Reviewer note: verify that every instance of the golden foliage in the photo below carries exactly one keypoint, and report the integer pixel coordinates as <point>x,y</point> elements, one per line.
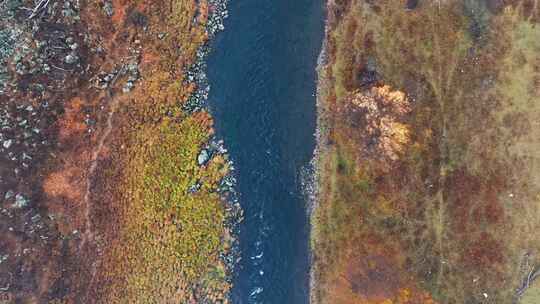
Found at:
<point>375,120</point>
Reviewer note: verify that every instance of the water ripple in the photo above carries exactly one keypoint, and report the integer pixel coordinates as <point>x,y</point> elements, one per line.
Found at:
<point>262,72</point>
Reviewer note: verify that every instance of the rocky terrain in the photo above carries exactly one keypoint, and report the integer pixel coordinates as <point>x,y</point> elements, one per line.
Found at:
<point>100,100</point>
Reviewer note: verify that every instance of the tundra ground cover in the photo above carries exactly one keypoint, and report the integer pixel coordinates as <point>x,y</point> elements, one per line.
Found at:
<point>451,218</point>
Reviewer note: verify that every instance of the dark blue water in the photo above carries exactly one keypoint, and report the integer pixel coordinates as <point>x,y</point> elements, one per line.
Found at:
<point>263,79</point>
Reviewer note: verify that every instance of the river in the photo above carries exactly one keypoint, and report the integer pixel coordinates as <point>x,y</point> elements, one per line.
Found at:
<point>263,83</point>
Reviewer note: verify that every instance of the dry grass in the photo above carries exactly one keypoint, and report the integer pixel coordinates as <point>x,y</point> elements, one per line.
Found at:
<point>445,216</point>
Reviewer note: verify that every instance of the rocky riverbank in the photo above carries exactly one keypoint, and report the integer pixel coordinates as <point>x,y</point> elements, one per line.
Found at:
<point>315,179</point>
<point>100,101</point>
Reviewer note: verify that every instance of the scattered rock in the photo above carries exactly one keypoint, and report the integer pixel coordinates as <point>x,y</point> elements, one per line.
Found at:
<point>36,218</point>
<point>7,143</point>
<point>195,187</point>
<point>71,58</point>
<point>108,8</point>
<point>20,201</point>
<point>203,157</point>
<point>3,258</point>
<point>128,87</point>
<point>9,194</point>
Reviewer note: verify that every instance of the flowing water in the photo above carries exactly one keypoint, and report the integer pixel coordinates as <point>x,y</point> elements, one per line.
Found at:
<point>263,80</point>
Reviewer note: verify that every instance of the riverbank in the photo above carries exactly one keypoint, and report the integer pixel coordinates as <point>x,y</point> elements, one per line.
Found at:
<point>315,179</point>
<point>174,227</point>
<point>421,124</point>
<point>121,190</point>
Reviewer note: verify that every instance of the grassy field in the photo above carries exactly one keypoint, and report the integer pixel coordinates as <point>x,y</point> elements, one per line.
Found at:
<point>428,168</point>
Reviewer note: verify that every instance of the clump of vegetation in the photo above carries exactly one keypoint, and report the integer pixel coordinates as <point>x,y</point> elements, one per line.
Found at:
<point>379,112</point>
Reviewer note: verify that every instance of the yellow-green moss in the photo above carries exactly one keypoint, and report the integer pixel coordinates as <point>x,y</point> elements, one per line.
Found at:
<point>172,238</point>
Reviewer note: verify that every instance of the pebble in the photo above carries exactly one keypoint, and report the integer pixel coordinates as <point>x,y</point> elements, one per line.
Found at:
<point>108,8</point>
<point>128,86</point>
<point>9,194</point>
<point>71,58</point>
<point>20,201</point>
<point>7,143</point>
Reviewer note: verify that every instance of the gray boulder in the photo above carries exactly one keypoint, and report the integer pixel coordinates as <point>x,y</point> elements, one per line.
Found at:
<point>203,157</point>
